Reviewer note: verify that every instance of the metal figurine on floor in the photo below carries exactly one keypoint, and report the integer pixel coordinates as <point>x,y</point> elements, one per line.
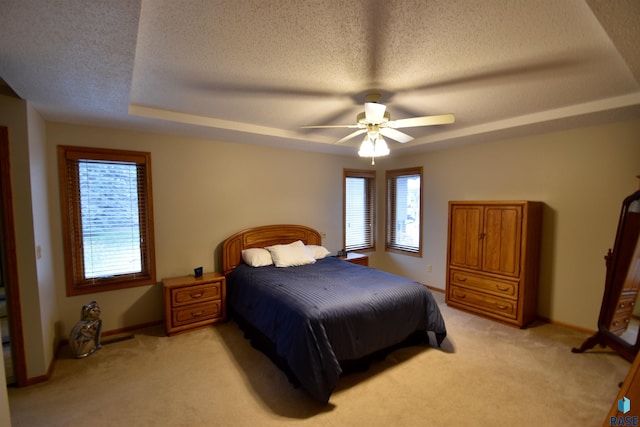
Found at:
<point>85,336</point>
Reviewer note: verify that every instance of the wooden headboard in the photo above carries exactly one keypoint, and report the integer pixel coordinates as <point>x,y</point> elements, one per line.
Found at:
<point>259,237</point>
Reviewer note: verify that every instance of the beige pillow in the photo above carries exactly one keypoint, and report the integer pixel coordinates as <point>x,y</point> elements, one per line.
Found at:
<point>290,255</point>
<point>317,251</point>
<point>257,257</point>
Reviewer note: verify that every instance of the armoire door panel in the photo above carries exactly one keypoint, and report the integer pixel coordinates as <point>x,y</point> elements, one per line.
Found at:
<point>502,237</point>
<point>466,229</point>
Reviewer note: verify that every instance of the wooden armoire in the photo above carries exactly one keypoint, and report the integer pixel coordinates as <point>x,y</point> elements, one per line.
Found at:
<point>493,257</point>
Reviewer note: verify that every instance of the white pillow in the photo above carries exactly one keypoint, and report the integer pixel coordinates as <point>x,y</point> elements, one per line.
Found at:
<point>256,257</point>
<point>317,251</point>
<point>290,255</point>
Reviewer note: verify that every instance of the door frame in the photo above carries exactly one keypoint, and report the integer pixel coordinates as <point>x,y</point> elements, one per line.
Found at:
<point>12,288</point>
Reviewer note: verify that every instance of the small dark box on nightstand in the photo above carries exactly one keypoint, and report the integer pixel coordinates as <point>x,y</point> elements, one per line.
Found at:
<point>197,272</point>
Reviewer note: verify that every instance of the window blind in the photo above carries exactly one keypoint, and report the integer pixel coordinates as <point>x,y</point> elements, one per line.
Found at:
<point>359,210</point>
<point>404,210</point>
<point>110,217</point>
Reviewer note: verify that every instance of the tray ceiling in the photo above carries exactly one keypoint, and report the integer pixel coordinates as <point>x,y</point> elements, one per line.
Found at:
<point>253,71</point>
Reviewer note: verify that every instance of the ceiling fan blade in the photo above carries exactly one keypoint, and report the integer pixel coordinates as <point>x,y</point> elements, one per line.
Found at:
<point>330,126</point>
<point>351,135</point>
<point>442,119</point>
<point>401,137</point>
<point>374,112</point>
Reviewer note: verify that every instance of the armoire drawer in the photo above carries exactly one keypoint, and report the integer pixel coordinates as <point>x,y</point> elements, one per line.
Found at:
<point>620,322</point>
<point>626,302</point>
<point>483,302</point>
<point>485,284</point>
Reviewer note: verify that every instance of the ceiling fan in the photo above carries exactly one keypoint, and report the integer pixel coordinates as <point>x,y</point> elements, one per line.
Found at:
<point>376,122</point>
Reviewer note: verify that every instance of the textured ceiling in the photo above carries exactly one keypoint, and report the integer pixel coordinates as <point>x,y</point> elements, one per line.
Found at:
<point>256,71</point>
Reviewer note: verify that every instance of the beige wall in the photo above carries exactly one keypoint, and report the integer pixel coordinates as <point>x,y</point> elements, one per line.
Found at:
<point>206,190</point>
<point>581,175</point>
<point>31,219</point>
<point>41,248</point>
<point>203,191</point>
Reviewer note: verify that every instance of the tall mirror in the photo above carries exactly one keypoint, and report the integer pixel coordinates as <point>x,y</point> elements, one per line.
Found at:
<point>618,323</point>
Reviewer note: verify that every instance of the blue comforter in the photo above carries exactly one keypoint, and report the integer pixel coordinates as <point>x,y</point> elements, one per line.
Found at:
<point>319,314</point>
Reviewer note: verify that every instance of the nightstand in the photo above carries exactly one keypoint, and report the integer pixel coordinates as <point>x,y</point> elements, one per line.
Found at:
<point>356,258</point>
<point>192,302</point>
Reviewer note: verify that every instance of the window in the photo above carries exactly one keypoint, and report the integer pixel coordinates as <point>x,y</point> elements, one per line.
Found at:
<point>107,219</point>
<point>359,209</point>
<point>404,211</point>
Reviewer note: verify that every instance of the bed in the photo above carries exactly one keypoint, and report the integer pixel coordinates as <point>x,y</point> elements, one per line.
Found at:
<point>315,315</point>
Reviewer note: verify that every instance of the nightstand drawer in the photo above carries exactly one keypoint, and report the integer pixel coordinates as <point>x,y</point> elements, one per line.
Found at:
<point>196,313</point>
<point>195,294</point>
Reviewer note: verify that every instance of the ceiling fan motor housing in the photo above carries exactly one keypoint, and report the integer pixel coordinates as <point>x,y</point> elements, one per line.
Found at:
<point>362,119</point>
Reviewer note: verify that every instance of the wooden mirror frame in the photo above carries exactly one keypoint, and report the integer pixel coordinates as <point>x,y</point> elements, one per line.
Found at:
<point>623,274</point>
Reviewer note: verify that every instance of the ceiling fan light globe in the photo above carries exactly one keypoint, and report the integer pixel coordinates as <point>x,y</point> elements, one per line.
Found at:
<point>366,149</point>
<point>381,148</point>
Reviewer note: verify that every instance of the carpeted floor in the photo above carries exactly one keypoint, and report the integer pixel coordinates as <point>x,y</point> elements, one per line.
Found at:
<point>486,374</point>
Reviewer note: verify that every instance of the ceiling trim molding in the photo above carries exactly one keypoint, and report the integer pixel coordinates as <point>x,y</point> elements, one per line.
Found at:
<point>199,120</point>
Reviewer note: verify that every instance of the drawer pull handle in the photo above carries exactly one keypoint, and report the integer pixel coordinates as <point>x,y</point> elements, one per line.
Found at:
<point>197,314</point>
<point>198,295</point>
<point>621,305</point>
<point>459,295</point>
<point>502,307</point>
<point>503,289</point>
<point>461,278</point>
